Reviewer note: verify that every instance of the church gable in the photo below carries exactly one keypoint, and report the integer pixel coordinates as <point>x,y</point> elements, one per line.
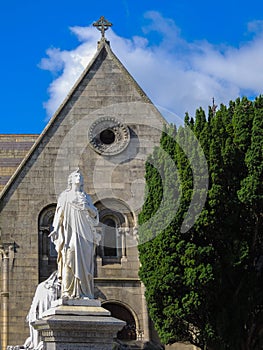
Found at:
<point>105,82</point>
<point>106,126</point>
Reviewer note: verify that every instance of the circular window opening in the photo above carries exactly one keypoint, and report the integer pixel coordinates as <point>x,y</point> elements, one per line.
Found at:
<point>107,136</point>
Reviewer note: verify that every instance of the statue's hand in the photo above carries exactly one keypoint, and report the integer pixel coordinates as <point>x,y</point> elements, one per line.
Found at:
<point>53,235</point>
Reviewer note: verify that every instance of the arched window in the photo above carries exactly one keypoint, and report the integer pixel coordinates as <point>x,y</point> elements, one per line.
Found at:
<point>110,241</point>
<point>110,245</point>
<point>47,252</point>
<point>116,220</point>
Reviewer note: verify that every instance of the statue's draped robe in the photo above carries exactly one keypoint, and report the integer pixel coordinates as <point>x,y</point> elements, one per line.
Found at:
<point>45,293</point>
<point>75,244</point>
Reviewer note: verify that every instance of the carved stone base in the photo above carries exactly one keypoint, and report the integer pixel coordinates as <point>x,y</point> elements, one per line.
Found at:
<point>78,325</point>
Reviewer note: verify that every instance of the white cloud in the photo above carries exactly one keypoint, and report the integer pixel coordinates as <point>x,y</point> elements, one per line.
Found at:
<point>68,65</point>
<point>177,75</point>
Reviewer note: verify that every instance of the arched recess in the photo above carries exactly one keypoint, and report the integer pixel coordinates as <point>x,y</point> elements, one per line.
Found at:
<point>122,312</point>
<point>116,220</point>
<point>47,253</point>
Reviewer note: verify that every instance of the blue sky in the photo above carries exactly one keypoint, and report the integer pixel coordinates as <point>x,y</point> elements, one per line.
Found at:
<point>182,53</point>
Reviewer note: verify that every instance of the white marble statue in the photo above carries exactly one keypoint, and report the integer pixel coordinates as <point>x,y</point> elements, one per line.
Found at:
<point>75,237</point>
<point>45,293</point>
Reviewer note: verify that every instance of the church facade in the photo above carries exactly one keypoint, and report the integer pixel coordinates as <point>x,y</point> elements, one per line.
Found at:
<point>106,127</point>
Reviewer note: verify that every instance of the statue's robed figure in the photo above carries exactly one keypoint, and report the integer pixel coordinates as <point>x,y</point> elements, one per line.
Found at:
<point>74,236</point>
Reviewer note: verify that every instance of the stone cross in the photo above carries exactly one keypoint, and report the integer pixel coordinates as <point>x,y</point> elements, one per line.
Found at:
<point>102,25</point>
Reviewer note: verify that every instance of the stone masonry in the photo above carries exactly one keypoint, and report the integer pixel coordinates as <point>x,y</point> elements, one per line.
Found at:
<point>107,127</point>
<point>105,90</point>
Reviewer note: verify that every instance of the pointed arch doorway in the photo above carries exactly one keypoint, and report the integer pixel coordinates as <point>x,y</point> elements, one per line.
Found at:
<point>118,310</point>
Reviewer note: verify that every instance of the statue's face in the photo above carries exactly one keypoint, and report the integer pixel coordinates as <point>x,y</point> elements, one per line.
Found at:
<point>77,178</point>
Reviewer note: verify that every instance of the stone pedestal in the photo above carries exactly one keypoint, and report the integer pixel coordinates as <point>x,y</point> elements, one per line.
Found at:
<point>77,325</point>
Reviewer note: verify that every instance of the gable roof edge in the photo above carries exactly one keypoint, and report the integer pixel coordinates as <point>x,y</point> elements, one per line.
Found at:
<point>101,45</point>
<point>133,81</point>
<point>49,125</point>
<point>128,75</point>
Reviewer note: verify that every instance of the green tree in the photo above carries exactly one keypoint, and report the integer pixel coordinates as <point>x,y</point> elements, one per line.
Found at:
<point>204,283</point>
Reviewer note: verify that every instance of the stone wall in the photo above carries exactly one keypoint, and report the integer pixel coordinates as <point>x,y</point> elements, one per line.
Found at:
<point>104,90</point>
<point>13,149</point>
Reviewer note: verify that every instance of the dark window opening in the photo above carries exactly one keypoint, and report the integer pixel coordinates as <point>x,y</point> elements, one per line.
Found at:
<point>107,136</point>
<point>128,332</point>
<point>110,238</point>
<point>47,252</point>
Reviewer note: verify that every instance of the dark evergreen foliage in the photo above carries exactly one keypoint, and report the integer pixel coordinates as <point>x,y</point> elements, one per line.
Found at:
<point>202,267</point>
